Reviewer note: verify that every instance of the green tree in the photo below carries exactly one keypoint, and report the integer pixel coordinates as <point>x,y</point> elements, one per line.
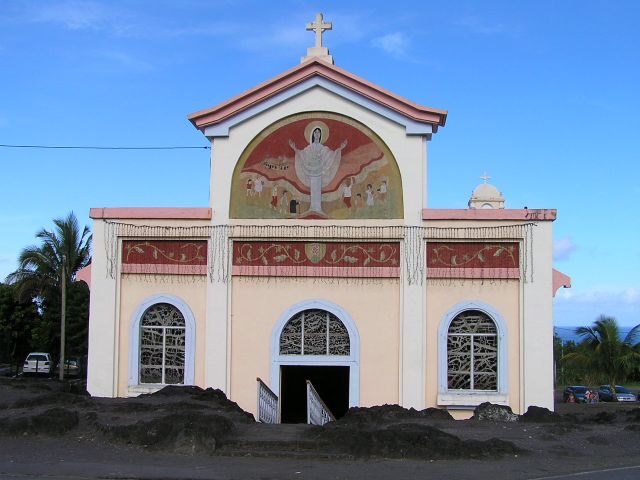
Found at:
<point>17,320</point>
<point>45,270</point>
<point>47,333</point>
<point>604,354</point>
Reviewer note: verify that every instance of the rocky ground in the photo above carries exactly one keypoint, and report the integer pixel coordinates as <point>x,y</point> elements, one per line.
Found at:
<point>187,432</point>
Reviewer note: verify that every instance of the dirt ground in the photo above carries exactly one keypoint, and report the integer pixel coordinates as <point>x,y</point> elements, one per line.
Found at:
<point>53,429</point>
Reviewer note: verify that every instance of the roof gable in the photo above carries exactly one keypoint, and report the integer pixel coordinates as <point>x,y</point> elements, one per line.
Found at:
<point>326,74</point>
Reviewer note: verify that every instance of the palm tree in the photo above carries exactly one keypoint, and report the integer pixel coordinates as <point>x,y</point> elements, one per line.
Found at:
<point>604,353</point>
<point>45,270</point>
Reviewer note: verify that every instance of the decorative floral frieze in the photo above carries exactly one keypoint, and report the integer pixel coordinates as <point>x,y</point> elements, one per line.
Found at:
<point>473,260</point>
<point>164,252</point>
<point>316,254</point>
<point>472,255</point>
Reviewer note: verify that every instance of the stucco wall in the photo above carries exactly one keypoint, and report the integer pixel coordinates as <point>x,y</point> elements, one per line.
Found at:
<point>135,290</point>
<point>502,296</point>
<point>258,304</point>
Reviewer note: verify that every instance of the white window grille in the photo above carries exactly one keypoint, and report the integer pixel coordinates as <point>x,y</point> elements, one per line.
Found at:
<point>472,352</point>
<point>162,345</point>
<point>314,332</point>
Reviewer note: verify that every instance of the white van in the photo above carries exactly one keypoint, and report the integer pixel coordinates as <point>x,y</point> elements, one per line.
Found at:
<point>37,362</point>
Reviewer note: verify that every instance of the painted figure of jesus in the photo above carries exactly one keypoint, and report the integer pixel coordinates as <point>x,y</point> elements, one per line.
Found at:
<point>316,166</point>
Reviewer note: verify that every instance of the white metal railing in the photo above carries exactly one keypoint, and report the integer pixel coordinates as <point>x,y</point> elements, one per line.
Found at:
<point>317,412</point>
<point>267,404</point>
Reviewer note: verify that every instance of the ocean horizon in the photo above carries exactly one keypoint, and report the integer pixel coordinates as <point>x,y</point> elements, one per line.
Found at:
<point>567,334</point>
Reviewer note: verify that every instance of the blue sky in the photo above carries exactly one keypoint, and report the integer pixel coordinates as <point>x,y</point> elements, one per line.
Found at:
<point>541,95</point>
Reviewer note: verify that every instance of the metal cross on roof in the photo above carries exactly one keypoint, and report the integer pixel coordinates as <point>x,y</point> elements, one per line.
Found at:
<point>485,177</point>
<point>319,26</point>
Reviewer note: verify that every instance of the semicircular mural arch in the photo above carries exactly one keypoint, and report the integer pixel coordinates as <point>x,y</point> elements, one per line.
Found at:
<point>316,165</point>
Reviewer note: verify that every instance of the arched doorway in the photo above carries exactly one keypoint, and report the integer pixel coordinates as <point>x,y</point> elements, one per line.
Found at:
<point>315,341</point>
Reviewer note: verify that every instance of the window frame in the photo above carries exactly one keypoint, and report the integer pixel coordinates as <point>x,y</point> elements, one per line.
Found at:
<point>468,398</point>
<point>134,384</point>
<point>327,333</point>
<point>352,360</point>
<point>162,330</point>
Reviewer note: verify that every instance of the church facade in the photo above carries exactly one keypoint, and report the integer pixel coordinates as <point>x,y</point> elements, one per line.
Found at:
<point>318,259</point>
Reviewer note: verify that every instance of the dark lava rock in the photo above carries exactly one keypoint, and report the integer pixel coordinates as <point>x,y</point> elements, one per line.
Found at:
<point>56,398</point>
<point>493,412</point>
<point>179,432</point>
<point>562,428</point>
<point>390,413</point>
<point>540,414</point>
<point>562,450</point>
<point>633,428</point>
<point>215,398</point>
<point>436,414</point>
<point>76,387</point>
<point>597,440</point>
<point>53,422</point>
<point>601,418</point>
<point>407,440</point>
<point>634,415</point>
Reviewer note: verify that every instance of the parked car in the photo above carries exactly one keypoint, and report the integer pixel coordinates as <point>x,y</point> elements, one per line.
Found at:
<point>622,394</point>
<point>37,363</point>
<point>72,367</point>
<point>578,392</point>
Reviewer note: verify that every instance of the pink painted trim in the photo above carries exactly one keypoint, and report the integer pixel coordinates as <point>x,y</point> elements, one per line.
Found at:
<point>164,269</point>
<point>531,214</point>
<point>152,213</point>
<point>84,275</point>
<point>304,71</point>
<point>560,280</point>
<point>293,271</point>
<point>473,273</point>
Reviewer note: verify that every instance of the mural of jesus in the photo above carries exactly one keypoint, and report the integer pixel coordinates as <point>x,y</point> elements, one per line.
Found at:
<point>316,165</point>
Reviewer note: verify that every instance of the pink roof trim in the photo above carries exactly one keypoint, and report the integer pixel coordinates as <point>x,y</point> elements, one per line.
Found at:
<point>531,214</point>
<point>560,280</point>
<point>84,275</point>
<point>304,71</point>
<point>152,213</point>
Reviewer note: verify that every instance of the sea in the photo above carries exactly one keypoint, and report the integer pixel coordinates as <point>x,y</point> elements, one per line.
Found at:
<point>569,333</point>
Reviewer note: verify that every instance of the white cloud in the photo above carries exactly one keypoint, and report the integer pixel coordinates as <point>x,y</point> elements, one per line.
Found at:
<point>573,308</point>
<point>563,248</point>
<point>605,296</point>
<point>396,44</point>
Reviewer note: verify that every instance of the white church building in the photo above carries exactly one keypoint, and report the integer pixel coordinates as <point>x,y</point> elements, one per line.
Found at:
<point>319,260</point>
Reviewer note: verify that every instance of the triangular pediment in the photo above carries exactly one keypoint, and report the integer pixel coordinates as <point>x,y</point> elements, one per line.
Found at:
<point>312,74</point>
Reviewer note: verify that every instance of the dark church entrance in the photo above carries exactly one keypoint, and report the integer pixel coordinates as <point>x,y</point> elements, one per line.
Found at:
<point>331,383</point>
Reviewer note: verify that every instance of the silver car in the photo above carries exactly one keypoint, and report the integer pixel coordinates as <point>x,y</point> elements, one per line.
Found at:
<point>622,394</point>
<point>37,363</point>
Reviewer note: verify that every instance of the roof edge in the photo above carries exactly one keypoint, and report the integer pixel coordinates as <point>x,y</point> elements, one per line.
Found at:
<point>525,214</point>
<point>151,213</point>
<point>211,116</point>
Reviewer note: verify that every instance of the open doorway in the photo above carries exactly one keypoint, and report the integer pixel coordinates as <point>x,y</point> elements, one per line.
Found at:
<point>331,383</point>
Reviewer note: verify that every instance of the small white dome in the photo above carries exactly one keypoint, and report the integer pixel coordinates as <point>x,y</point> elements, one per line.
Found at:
<point>486,195</point>
<point>486,191</point>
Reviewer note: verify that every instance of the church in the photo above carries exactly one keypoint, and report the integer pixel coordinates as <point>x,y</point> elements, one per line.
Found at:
<point>319,266</point>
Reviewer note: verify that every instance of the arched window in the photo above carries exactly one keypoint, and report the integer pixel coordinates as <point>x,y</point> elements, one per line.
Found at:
<point>314,332</point>
<point>472,352</point>
<point>162,345</point>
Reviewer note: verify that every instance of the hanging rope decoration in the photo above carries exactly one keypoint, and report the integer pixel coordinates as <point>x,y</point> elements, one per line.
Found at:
<point>413,242</point>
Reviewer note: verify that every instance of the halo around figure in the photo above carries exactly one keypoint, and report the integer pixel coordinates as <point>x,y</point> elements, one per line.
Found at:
<point>308,131</point>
